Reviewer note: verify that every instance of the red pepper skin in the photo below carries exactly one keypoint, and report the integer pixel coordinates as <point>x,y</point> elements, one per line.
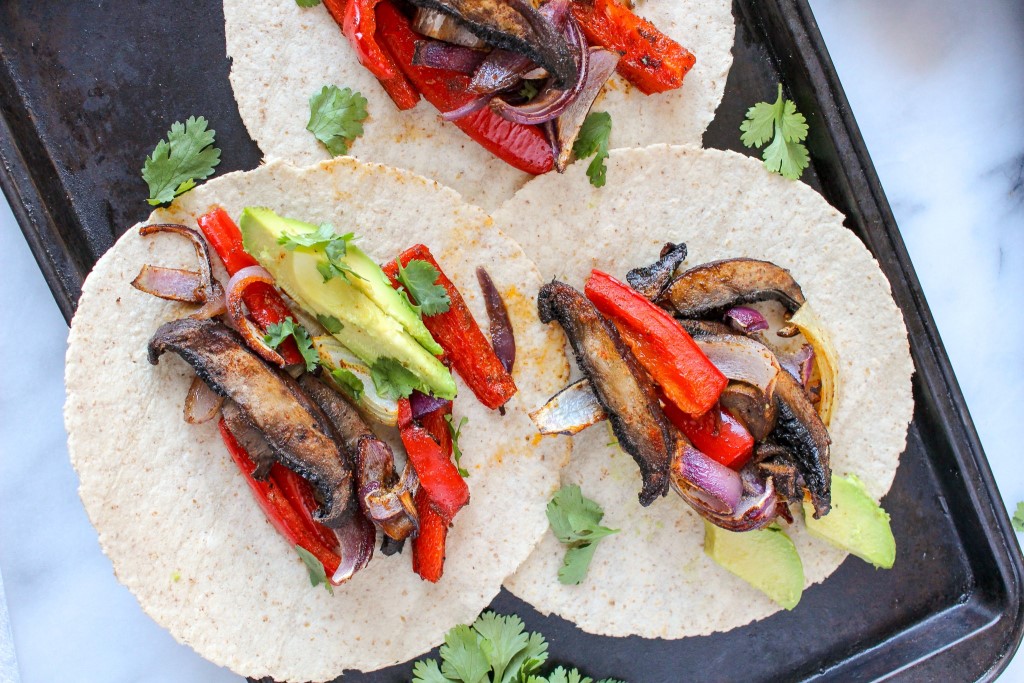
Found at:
<point>717,434</point>
<point>435,423</point>
<point>275,505</point>
<point>358,21</point>
<point>300,494</point>
<point>266,307</point>
<point>428,548</point>
<point>650,60</point>
<point>524,147</point>
<point>439,478</point>
<point>465,345</point>
<point>662,346</point>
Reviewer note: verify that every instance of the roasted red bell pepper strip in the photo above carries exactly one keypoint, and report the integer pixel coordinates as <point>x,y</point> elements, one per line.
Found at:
<point>524,147</point>
<point>300,494</point>
<point>266,307</point>
<point>464,343</point>
<point>435,423</point>
<point>662,346</point>
<point>428,547</point>
<point>716,433</point>
<point>358,21</point>
<point>650,60</point>
<point>288,522</point>
<point>438,476</point>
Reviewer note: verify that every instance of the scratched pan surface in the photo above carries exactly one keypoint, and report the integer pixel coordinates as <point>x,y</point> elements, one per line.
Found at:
<point>86,89</point>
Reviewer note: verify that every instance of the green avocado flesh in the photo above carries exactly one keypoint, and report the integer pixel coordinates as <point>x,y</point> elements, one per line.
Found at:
<point>856,523</point>
<point>765,558</point>
<point>374,323</point>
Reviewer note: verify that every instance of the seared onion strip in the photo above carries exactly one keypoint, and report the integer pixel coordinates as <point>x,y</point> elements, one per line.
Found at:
<point>201,402</point>
<point>502,337</point>
<point>250,332</point>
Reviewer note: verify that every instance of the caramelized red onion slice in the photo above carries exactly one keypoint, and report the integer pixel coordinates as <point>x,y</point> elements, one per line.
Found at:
<point>746,319</point>
<point>602,66</point>
<point>570,411</point>
<point>173,284</point>
<point>201,402</point>
<point>422,404</point>
<point>356,537</point>
<point>800,364</point>
<point>742,359</point>
<point>705,484</point>
<point>437,54</point>
<point>215,305</point>
<point>247,328</point>
<point>470,107</point>
<point>502,337</point>
<point>551,102</point>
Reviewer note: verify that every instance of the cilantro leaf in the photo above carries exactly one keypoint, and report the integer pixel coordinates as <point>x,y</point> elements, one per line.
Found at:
<point>593,139</point>
<point>786,128</point>
<point>392,379</point>
<point>419,278</point>
<point>277,333</point>
<point>348,381</point>
<point>502,638</point>
<point>462,658</point>
<point>176,163</point>
<point>529,90</point>
<point>307,3</point>
<point>575,521</point>
<point>317,573</point>
<point>1018,518</point>
<point>336,117</point>
<point>529,660</point>
<point>560,675</point>
<point>330,323</point>
<point>427,671</point>
<point>333,246</point>
<point>456,433</point>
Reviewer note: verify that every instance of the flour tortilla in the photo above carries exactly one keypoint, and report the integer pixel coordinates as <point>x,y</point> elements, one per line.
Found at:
<point>174,514</point>
<point>282,54</point>
<point>653,579</point>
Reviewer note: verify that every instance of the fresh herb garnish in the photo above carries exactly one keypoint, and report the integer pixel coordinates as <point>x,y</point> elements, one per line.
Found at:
<point>529,90</point>
<point>593,139</point>
<point>1018,518</point>
<point>333,245</point>
<point>336,117</point>
<point>187,155</point>
<point>277,333</point>
<point>495,649</point>
<point>419,278</point>
<point>330,323</point>
<point>347,380</point>
<point>317,573</point>
<point>307,3</point>
<point>575,521</point>
<point>456,433</point>
<point>787,155</point>
<point>392,379</point>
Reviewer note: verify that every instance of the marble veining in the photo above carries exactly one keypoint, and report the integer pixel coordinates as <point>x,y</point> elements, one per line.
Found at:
<point>936,87</point>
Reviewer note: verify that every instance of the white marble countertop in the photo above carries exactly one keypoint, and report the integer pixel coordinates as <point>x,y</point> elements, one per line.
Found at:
<point>936,86</point>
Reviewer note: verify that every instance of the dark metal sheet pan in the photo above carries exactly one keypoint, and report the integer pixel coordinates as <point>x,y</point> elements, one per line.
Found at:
<point>86,89</point>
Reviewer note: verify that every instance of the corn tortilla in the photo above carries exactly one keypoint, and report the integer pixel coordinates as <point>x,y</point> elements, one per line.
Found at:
<point>653,579</point>
<point>174,514</point>
<point>282,54</point>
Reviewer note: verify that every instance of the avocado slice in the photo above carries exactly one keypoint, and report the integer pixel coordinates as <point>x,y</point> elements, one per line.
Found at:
<point>856,524</point>
<point>764,558</point>
<point>366,329</point>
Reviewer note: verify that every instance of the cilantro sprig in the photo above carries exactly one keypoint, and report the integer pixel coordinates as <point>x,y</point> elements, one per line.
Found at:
<point>333,246</point>
<point>392,379</point>
<point>307,3</point>
<point>277,333</point>
<point>336,117</point>
<point>419,278</point>
<point>495,649</point>
<point>456,432</point>
<point>575,521</point>
<point>317,573</point>
<point>187,155</point>
<point>348,381</point>
<point>781,123</point>
<point>593,139</point>
<point>1018,518</point>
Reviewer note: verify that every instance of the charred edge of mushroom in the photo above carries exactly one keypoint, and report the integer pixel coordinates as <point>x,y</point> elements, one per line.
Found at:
<point>651,280</point>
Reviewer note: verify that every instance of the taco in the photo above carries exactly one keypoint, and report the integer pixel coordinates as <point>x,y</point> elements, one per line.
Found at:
<point>174,513</point>
<point>283,55</point>
<point>653,578</point>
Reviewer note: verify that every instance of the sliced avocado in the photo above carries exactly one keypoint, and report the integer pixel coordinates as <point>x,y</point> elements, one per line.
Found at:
<point>764,558</point>
<point>366,330</point>
<point>856,523</point>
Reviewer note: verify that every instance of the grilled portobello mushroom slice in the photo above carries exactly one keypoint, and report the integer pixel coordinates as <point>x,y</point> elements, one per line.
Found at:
<point>718,286</point>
